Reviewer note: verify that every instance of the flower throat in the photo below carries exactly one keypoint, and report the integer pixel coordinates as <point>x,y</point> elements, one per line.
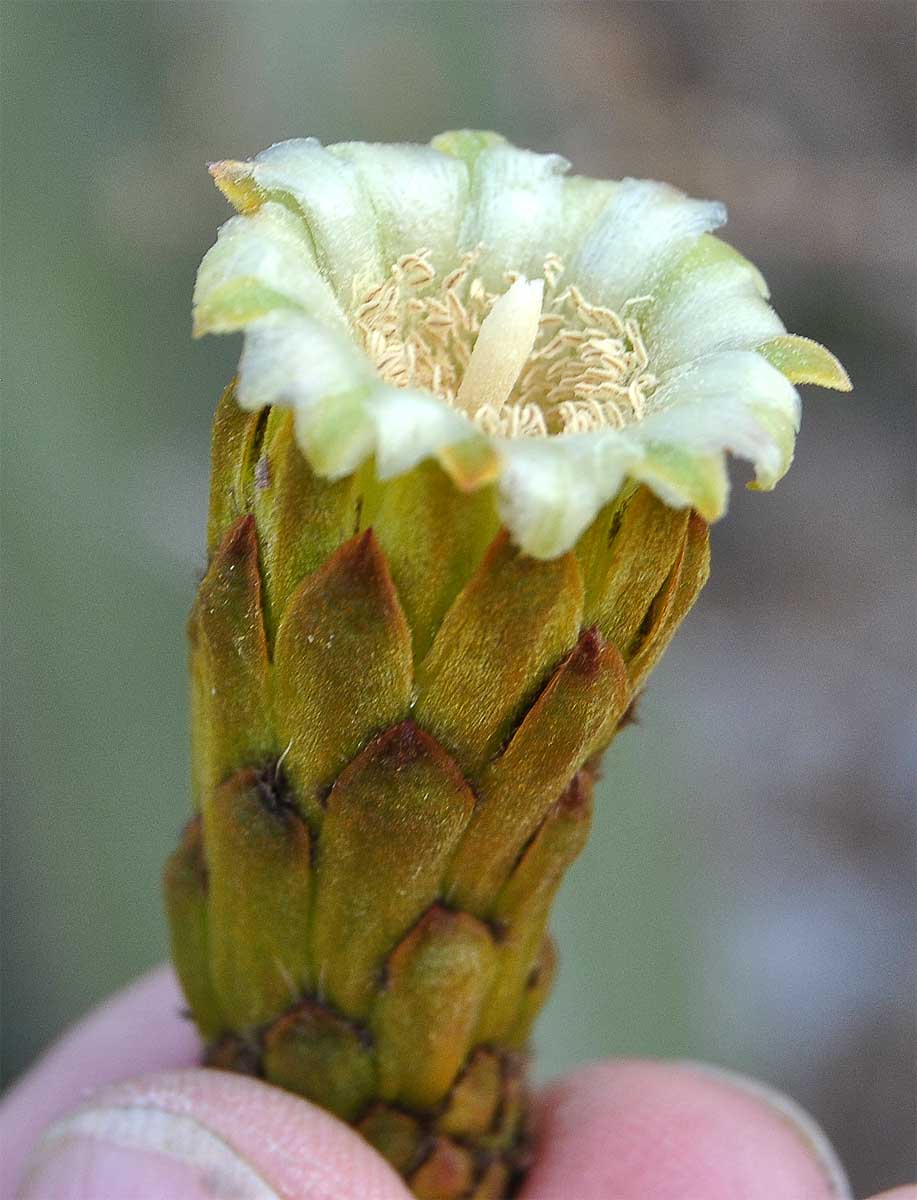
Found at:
<point>536,360</point>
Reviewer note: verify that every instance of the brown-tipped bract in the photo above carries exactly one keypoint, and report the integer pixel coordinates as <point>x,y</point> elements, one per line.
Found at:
<point>259,891</point>
<point>342,666</point>
<point>393,819</point>
<point>498,643</point>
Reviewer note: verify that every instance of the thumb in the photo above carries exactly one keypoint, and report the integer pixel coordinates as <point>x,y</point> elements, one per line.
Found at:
<point>198,1135</point>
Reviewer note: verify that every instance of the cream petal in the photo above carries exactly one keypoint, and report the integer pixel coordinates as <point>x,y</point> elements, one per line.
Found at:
<point>515,212</point>
<point>732,401</point>
<point>584,202</point>
<point>644,226</point>
<point>411,426</point>
<point>291,360</point>
<point>337,211</point>
<point>707,309</point>
<point>550,489</point>
<point>418,195</point>
<point>261,262</point>
<point>582,198</point>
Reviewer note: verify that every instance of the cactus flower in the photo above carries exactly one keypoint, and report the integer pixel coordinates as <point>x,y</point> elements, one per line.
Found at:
<point>459,505</point>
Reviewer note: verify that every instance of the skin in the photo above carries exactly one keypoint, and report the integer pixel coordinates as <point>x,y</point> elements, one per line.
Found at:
<point>116,1111</point>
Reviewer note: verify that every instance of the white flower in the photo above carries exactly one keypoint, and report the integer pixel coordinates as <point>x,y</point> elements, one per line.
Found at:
<point>471,301</point>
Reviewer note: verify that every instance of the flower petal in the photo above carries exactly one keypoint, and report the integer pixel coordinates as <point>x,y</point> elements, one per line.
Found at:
<point>551,488</point>
<point>261,262</point>
<point>336,433</point>
<point>340,218</point>
<point>418,196</point>
<point>732,401</point>
<point>680,477</point>
<point>515,213</point>
<point>581,199</point>
<point>712,299</point>
<point>292,360</point>
<point>644,226</point>
<point>803,361</point>
<point>410,426</point>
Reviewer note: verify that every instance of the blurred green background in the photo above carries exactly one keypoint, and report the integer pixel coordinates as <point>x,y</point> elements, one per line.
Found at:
<point>747,895</point>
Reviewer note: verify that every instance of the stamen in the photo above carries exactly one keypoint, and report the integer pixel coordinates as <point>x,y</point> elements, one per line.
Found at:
<point>534,361</point>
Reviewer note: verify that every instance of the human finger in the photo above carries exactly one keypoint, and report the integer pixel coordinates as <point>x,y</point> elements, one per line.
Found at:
<point>641,1130</point>
<point>196,1134</point>
<point>138,1030</point>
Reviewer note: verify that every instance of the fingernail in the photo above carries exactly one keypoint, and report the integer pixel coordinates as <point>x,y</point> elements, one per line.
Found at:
<point>135,1154</point>
<point>799,1121</point>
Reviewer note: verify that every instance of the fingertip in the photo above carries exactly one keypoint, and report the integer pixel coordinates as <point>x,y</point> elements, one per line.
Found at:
<point>639,1129</point>
<point>193,1134</point>
<point>137,1030</point>
<point>783,1108</point>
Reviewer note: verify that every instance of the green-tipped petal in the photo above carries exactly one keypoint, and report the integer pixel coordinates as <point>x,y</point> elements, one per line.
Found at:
<point>733,401</point>
<point>645,225</point>
<point>261,263</point>
<point>466,144</point>
<point>410,426</point>
<point>551,488</point>
<point>338,214</point>
<point>708,306</point>
<point>680,476</point>
<point>297,362</point>
<point>803,361</point>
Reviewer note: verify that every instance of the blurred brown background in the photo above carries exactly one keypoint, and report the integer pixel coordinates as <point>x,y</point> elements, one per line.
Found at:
<point>748,894</point>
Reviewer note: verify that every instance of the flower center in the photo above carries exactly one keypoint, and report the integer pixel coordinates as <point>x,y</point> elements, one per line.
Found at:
<point>536,360</point>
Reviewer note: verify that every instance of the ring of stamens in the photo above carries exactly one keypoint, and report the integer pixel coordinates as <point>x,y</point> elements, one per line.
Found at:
<point>588,368</point>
